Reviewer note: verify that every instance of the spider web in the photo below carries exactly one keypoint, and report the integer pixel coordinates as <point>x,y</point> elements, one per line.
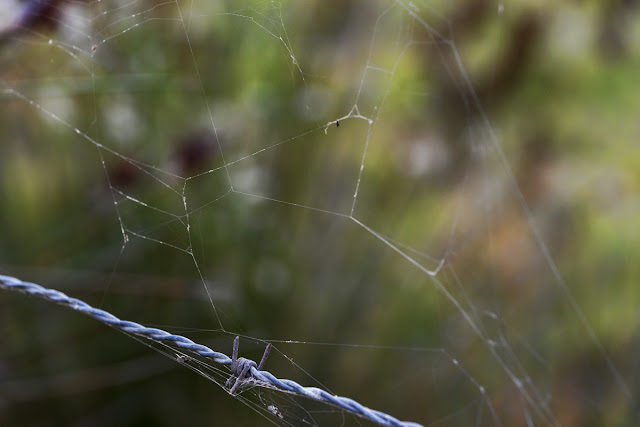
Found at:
<point>319,176</point>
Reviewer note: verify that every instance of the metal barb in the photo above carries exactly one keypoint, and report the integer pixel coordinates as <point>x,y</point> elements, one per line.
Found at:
<point>240,367</point>
<point>240,379</point>
<point>234,355</point>
<point>264,357</point>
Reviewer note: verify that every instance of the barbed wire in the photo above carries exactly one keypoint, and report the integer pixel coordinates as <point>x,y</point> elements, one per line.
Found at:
<point>242,369</point>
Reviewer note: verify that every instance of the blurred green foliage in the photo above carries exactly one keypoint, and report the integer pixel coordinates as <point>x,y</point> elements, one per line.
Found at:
<point>230,108</point>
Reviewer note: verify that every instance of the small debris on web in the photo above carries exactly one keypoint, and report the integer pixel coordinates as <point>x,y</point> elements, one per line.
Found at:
<point>275,411</point>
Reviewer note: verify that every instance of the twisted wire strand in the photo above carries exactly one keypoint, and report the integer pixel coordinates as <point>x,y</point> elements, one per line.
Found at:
<point>159,335</point>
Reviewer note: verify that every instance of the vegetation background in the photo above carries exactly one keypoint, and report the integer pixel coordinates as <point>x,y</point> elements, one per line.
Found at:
<point>558,82</point>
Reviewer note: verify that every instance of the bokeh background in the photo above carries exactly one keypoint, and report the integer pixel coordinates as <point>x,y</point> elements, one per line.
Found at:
<point>503,139</point>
